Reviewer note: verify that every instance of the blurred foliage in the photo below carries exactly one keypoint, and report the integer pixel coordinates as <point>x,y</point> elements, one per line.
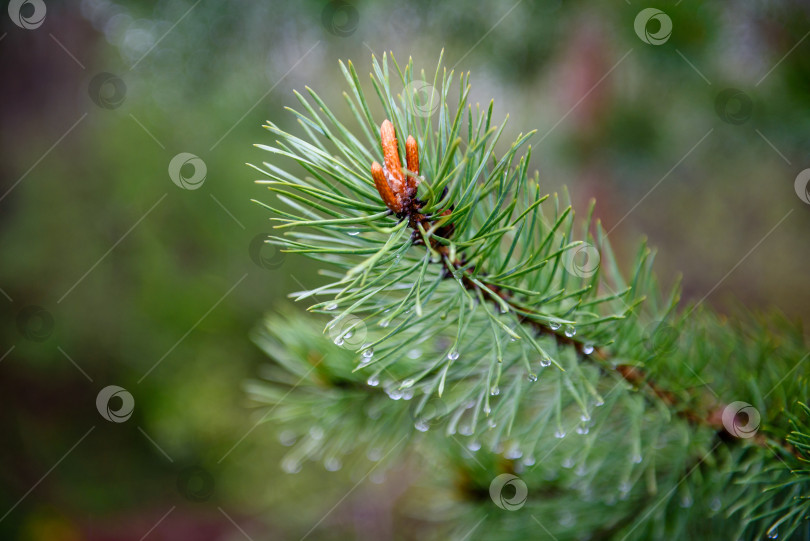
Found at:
<point>201,78</point>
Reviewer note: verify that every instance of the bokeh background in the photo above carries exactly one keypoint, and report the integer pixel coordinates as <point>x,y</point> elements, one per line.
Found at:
<point>111,274</point>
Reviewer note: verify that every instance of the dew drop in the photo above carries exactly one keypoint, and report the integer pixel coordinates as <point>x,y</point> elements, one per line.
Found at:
<point>374,381</point>
<point>529,461</point>
<point>587,349</point>
<point>453,355</point>
<point>421,425</point>
<point>408,383</point>
<point>773,533</point>
<point>290,465</point>
<point>504,308</point>
<point>316,432</point>
<point>374,454</point>
<point>581,470</point>
<point>584,417</point>
<point>554,325</point>
<point>383,323</point>
<point>368,353</point>
<point>339,341</point>
<point>348,334</point>
<point>599,403</point>
<point>532,377</point>
<point>330,306</point>
<point>624,487</point>
<point>491,423</point>
<point>465,430</point>
<point>686,501</point>
<point>395,394</point>
<point>513,453</point>
<point>570,331</point>
<point>715,504</point>
<point>414,353</point>
<point>474,445</point>
<point>332,464</point>
<point>559,433</point>
<point>495,390</point>
<point>545,362</point>
<point>636,458</point>
<point>487,409</point>
<point>286,437</point>
<point>582,429</point>
<point>407,394</point>
<point>353,232</point>
<point>568,463</point>
<point>378,477</point>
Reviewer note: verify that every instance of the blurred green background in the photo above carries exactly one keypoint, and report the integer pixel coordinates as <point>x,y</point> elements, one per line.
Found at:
<point>113,275</point>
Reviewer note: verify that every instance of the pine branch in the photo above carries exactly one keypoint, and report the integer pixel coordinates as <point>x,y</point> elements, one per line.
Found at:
<point>467,290</point>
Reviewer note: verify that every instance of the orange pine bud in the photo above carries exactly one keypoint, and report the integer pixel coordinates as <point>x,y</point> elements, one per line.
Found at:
<point>412,158</point>
<point>391,200</point>
<point>391,156</point>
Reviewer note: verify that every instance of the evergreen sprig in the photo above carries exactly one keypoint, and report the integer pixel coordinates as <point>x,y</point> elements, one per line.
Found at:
<point>474,314</point>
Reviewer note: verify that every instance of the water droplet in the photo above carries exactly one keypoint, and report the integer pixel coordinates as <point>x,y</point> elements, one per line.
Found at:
<point>290,465</point>
<point>587,349</point>
<point>495,390</point>
<point>491,423</point>
<point>568,463</point>
<point>487,409</point>
<point>330,306</point>
<point>378,477</point>
<point>374,454</point>
<point>414,353</point>
<point>545,362</point>
<point>584,417</point>
<point>529,460</point>
<point>581,470</point>
<point>287,437</point>
<point>395,394</point>
<point>715,505</point>
<point>582,429</point>
<point>453,355</point>
<point>421,425</point>
<point>599,403</point>
<point>504,308</point>
<point>532,377</point>
<point>624,487</point>
<point>474,445</point>
<point>383,323</point>
<point>686,501</point>
<point>408,383</point>
<point>570,331</point>
<point>374,380</point>
<point>636,458</point>
<point>773,533</point>
<point>347,335</point>
<point>465,430</point>
<point>332,464</point>
<point>368,353</point>
<point>554,325</point>
<point>407,394</point>
<point>559,433</point>
<point>513,453</point>
<point>353,232</point>
<point>339,341</point>
<point>316,432</point>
